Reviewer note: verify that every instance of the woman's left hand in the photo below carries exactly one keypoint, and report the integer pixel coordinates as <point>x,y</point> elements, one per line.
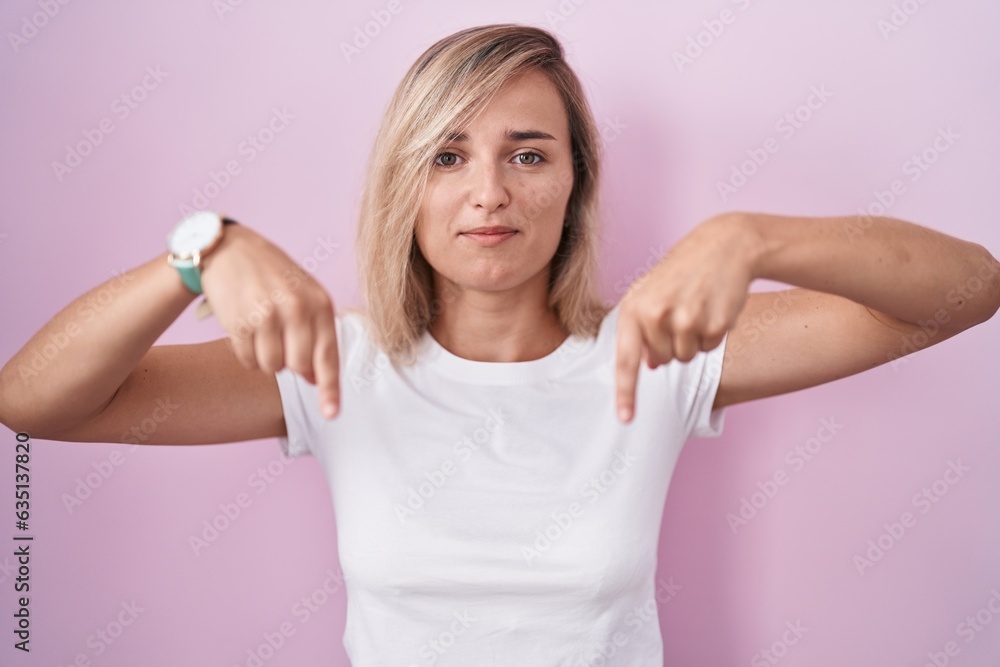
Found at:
<point>685,304</point>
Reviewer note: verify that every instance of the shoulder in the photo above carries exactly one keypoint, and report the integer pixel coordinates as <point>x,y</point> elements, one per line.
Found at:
<point>353,337</point>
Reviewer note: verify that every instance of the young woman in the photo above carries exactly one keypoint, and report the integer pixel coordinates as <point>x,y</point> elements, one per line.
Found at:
<point>498,441</point>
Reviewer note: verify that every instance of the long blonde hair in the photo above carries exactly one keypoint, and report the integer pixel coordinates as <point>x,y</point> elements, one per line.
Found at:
<point>453,81</point>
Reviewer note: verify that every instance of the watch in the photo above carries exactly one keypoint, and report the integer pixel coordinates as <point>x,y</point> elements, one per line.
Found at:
<point>190,240</point>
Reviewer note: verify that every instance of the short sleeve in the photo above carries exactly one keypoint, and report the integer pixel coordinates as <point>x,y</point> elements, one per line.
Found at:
<point>702,375</point>
<point>295,398</point>
<point>300,399</point>
<point>692,385</point>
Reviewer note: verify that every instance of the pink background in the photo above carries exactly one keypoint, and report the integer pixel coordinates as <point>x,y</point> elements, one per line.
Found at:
<point>679,132</point>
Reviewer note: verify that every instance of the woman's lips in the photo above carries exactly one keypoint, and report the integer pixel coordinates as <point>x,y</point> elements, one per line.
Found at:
<point>489,239</point>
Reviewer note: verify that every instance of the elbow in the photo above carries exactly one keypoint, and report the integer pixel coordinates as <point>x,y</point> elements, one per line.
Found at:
<point>978,296</point>
<point>989,272</point>
<point>14,418</point>
<point>20,422</point>
<point>15,413</point>
<point>6,417</point>
<point>11,416</point>
<point>976,299</point>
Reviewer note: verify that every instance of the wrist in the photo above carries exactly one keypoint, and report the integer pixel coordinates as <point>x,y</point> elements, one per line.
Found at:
<point>756,247</point>
<point>169,269</point>
<point>192,240</point>
<point>234,234</point>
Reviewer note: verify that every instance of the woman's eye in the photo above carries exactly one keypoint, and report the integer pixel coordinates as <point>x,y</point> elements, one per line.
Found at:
<point>450,159</point>
<point>446,159</point>
<point>529,155</point>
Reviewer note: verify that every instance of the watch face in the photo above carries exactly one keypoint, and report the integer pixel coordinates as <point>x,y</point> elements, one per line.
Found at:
<point>193,233</point>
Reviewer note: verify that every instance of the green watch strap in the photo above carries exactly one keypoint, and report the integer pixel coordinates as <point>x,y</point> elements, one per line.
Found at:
<point>191,274</point>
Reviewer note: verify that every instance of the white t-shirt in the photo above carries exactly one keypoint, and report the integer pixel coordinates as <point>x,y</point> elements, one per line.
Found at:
<point>496,514</point>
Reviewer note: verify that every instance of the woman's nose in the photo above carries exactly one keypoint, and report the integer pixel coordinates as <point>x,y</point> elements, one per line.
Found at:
<point>488,190</point>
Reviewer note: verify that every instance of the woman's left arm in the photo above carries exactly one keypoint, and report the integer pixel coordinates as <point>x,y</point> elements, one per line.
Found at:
<point>869,290</point>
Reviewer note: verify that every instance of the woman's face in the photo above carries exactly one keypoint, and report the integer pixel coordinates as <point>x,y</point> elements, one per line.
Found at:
<point>512,168</point>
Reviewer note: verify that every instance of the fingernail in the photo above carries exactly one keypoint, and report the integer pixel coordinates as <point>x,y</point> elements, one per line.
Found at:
<point>624,413</point>
<point>329,410</point>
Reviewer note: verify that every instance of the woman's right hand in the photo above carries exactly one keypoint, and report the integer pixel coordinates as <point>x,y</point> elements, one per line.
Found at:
<point>275,314</point>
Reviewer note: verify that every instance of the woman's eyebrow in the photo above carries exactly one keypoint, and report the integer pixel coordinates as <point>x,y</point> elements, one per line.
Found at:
<point>510,135</point>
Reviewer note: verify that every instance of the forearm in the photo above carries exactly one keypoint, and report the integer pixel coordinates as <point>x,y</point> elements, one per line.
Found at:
<point>902,269</point>
<point>75,363</point>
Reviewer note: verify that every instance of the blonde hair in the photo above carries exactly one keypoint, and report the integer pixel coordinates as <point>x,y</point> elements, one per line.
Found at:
<point>453,81</point>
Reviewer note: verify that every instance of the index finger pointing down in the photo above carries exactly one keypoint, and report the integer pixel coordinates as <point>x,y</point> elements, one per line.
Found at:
<point>326,364</point>
<point>628,356</point>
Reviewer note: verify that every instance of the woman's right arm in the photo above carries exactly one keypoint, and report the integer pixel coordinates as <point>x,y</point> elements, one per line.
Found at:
<point>92,374</point>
